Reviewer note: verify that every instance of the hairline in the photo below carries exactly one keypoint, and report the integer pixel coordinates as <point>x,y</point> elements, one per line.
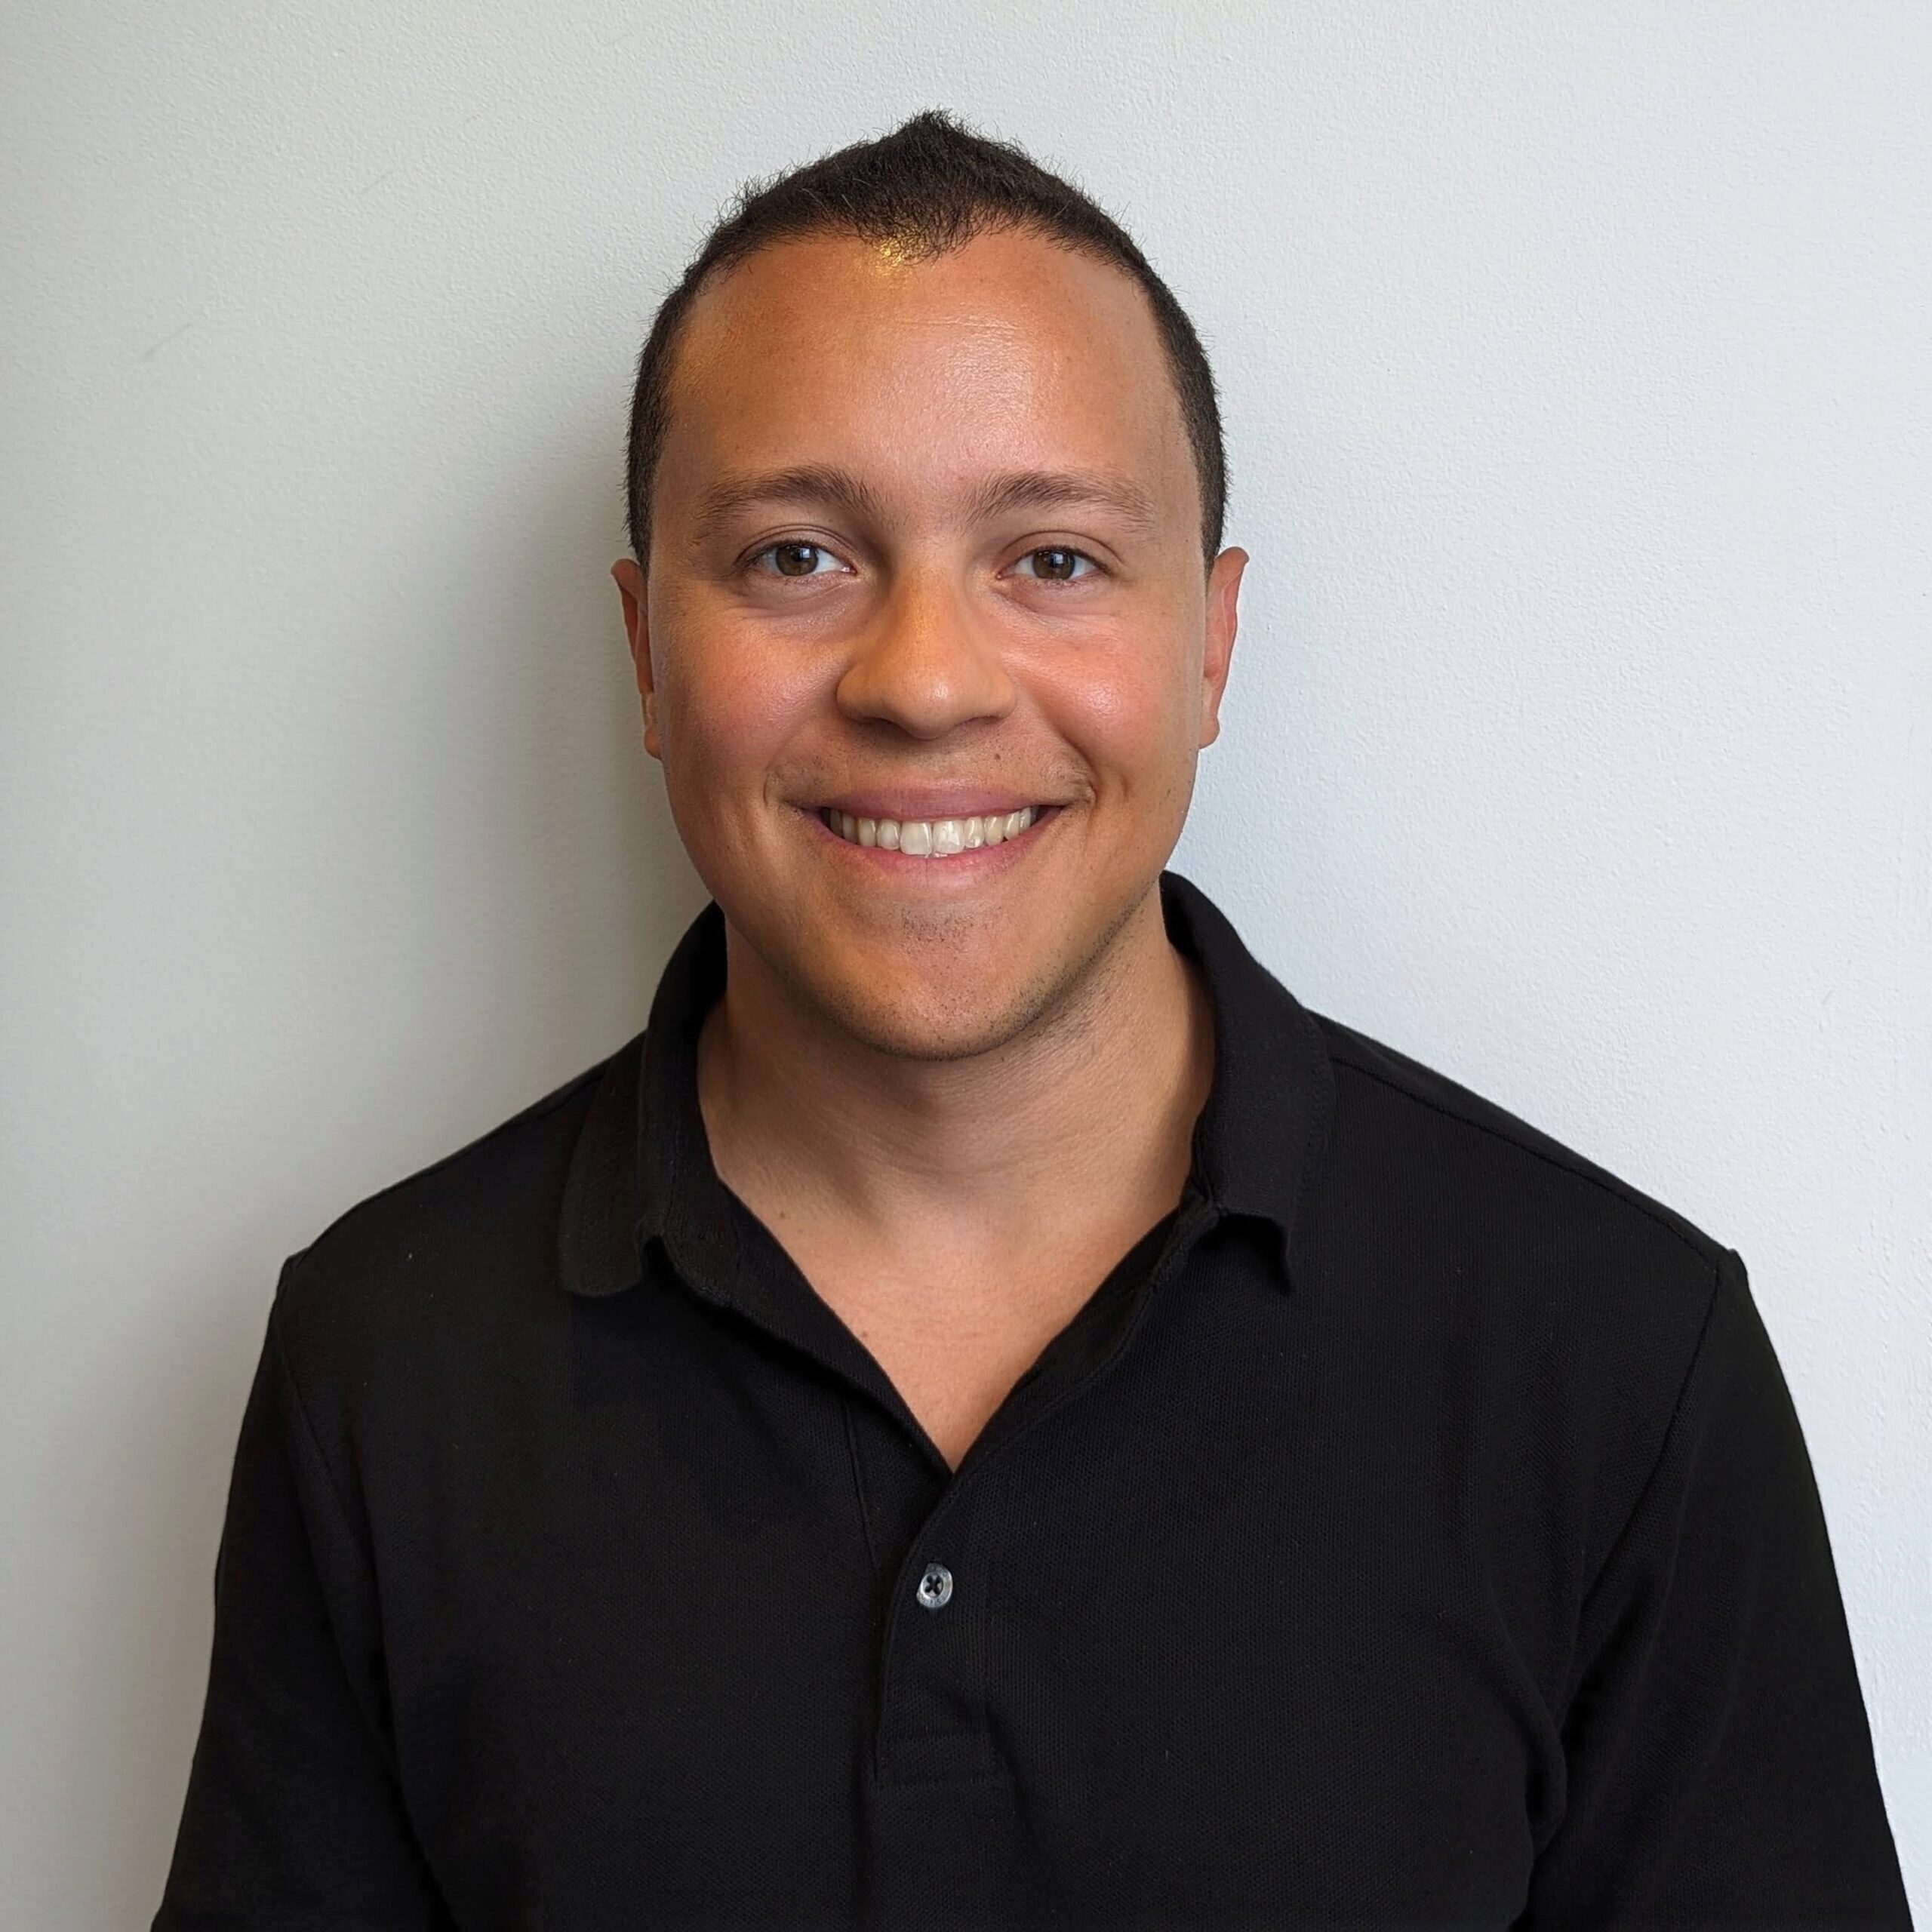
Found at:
<point>924,248</point>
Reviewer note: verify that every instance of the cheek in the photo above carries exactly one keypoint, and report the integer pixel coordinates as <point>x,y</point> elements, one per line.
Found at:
<point>729,706</point>
<point>1126,708</point>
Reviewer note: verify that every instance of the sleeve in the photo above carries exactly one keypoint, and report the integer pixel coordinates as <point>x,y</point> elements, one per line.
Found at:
<point>1719,1767</point>
<point>294,1818</point>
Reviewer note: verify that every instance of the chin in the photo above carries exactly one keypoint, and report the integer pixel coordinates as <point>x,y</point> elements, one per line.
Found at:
<point>935,1027</point>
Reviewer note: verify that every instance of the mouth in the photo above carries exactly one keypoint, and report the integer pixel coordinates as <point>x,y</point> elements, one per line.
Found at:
<point>937,839</point>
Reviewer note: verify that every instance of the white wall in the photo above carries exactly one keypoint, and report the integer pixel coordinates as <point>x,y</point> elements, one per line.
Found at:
<point>1576,362</point>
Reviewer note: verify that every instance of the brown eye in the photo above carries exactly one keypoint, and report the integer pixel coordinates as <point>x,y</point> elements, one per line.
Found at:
<point>1058,563</point>
<point>793,559</point>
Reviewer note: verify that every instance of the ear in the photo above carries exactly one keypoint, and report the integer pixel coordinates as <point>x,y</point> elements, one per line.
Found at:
<point>631,588</point>
<point>1223,588</point>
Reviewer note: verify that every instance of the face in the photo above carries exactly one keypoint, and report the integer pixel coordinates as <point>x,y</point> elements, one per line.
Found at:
<point>925,571</point>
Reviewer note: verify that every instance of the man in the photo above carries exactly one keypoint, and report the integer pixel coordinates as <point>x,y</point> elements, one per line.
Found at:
<point>988,1412</point>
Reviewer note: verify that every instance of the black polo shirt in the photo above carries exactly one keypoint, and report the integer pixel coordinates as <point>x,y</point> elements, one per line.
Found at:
<point>1414,1530</point>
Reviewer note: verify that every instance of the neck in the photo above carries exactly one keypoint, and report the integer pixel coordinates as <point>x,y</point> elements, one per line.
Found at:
<point>1085,1116</point>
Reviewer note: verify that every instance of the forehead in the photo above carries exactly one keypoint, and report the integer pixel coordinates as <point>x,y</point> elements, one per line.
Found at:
<point>1009,351</point>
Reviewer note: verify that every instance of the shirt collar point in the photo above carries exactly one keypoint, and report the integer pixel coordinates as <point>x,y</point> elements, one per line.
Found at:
<point>1261,1142</point>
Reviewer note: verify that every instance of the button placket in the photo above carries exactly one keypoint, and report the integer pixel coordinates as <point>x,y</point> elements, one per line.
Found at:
<point>933,1718</point>
<point>932,1724</point>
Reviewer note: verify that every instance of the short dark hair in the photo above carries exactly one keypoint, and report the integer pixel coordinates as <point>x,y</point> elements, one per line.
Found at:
<point>929,186</point>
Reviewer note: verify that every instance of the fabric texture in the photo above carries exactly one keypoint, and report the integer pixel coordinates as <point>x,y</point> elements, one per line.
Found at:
<point>1414,1530</point>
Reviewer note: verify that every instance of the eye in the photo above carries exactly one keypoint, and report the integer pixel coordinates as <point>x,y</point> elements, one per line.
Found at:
<point>1059,562</point>
<point>794,558</point>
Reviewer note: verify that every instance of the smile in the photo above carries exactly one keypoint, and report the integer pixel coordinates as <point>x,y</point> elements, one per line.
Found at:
<point>929,838</point>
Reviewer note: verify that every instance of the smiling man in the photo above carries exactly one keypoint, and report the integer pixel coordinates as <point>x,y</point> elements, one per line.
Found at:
<point>988,1411</point>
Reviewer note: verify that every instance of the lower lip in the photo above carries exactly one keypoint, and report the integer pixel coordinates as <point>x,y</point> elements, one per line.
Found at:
<point>976,863</point>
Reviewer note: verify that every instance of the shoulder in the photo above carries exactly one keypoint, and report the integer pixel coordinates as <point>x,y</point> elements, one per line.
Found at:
<point>1442,1145</point>
<point>446,1258</point>
<point>1520,1282</point>
<point>1545,1309</point>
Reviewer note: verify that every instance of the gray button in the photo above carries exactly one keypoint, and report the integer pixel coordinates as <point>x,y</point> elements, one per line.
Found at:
<point>936,1586</point>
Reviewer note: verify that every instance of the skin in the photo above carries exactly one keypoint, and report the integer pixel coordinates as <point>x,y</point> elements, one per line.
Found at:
<point>956,1090</point>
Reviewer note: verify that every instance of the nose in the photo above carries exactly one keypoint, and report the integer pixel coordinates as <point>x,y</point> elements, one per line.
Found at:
<point>929,663</point>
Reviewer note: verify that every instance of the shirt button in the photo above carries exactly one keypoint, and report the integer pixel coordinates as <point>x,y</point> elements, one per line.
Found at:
<point>936,1586</point>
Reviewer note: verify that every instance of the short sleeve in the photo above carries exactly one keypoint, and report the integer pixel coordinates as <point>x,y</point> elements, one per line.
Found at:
<point>294,1818</point>
<point>1719,1767</point>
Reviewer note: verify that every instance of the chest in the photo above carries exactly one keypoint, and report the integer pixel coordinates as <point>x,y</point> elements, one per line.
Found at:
<point>954,1342</point>
<point>951,1373</point>
<point>1214,1643</point>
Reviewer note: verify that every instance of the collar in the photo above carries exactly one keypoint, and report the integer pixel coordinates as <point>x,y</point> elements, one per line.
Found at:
<point>641,1171</point>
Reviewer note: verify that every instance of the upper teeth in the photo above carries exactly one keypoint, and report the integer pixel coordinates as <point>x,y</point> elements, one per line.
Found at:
<point>930,839</point>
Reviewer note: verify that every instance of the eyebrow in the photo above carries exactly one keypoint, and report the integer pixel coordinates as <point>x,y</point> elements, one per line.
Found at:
<point>1010,490</point>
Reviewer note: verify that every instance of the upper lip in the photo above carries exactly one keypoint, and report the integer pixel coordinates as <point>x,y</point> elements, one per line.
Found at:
<point>897,802</point>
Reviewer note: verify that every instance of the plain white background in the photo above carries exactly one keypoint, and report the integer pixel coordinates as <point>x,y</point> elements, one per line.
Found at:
<point>1578,376</point>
